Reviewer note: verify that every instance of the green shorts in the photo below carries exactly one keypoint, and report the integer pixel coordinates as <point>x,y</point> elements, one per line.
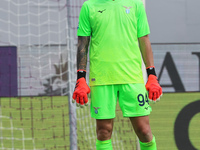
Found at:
<point>133,100</point>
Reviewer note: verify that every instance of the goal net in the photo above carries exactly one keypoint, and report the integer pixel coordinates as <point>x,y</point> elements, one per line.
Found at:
<point>38,45</point>
<point>34,80</point>
<point>34,42</point>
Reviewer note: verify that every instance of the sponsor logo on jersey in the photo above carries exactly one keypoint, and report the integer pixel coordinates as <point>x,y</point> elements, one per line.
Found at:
<point>101,11</point>
<point>127,9</point>
<point>96,109</point>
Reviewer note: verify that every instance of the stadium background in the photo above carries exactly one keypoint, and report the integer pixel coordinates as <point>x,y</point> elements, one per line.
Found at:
<point>37,75</point>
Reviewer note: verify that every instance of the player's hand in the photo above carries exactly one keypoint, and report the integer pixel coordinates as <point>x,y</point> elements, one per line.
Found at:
<point>154,89</point>
<point>80,93</point>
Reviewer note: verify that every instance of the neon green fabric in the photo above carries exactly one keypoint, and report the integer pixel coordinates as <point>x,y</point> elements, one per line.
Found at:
<point>133,100</point>
<point>149,146</point>
<point>104,145</point>
<point>114,27</point>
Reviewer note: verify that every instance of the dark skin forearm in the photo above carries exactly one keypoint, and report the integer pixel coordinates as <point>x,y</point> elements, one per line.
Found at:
<point>82,50</point>
<point>146,50</point>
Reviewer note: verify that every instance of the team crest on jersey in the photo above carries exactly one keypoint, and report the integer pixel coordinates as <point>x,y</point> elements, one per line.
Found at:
<point>96,109</point>
<point>127,9</point>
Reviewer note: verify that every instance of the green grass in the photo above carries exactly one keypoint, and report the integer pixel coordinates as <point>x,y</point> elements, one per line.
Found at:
<point>43,123</point>
<point>162,121</point>
<point>164,115</point>
<point>34,122</point>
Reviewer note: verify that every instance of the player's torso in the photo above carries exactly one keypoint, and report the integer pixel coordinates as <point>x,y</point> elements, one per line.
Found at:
<point>114,28</point>
<point>117,12</point>
<point>116,17</point>
<point>114,43</point>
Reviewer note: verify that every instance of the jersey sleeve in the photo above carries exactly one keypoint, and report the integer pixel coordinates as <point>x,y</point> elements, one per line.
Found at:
<point>142,22</point>
<point>84,28</point>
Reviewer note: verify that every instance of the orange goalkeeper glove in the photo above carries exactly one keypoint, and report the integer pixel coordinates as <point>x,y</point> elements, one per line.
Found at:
<point>153,87</point>
<point>80,92</point>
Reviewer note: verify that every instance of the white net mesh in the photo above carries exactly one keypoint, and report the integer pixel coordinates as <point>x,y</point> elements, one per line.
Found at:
<point>34,123</point>
<point>34,48</point>
<point>38,30</point>
<point>11,138</point>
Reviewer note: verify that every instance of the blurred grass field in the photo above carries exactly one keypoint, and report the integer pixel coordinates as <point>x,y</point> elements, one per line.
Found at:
<point>164,115</point>
<point>34,123</point>
<point>162,121</point>
<point>42,123</point>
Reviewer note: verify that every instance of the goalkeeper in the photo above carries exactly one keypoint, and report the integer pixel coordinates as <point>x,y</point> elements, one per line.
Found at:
<point>115,28</point>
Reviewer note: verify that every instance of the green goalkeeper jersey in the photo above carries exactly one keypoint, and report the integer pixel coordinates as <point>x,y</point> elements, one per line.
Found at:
<point>114,27</point>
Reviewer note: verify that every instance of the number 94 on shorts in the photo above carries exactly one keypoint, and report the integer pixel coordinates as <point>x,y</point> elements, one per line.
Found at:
<point>133,100</point>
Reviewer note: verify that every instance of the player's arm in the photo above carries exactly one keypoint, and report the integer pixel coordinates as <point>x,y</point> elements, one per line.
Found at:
<point>81,90</point>
<point>152,85</point>
<point>146,50</point>
<point>82,50</point>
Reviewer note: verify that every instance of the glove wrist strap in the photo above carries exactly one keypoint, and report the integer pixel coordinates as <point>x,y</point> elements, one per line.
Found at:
<point>81,73</point>
<point>151,70</point>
